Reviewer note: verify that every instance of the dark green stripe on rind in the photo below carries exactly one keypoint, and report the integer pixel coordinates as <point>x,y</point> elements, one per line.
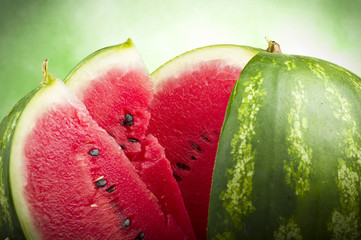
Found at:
<point>9,222</point>
<point>288,164</point>
<point>345,223</point>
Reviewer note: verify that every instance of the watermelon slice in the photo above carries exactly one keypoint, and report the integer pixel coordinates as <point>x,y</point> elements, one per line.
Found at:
<point>64,177</point>
<point>115,86</point>
<point>190,101</point>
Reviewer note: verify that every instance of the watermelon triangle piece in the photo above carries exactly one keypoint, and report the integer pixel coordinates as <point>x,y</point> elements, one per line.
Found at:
<point>115,86</point>
<point>190,100</point>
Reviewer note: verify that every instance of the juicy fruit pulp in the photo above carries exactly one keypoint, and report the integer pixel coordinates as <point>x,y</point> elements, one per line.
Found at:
<point>116,89</point>
<point>103,187</point>
<point>288,160</point>
<point>71,180</point>
<point>187,116</point>
<point>54,177</point>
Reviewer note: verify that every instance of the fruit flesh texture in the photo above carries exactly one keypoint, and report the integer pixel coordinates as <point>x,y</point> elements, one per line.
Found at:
<point>113,82</point>
<point>61,186</point>
<point>132,93</point>
<point>112,93</point>
<point>187,116</point>
<point>155,171</point>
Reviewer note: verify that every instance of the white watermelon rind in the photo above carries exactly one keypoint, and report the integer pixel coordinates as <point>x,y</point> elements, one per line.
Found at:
<point>233,55</point>
<point>122,56</point>
<point>47,97</point>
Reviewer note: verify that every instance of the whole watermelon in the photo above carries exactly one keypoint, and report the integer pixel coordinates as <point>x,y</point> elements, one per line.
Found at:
<point>288,164</point>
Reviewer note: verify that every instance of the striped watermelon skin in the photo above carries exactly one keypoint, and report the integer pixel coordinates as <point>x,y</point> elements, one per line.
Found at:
<point>9,222</point>
<point>288,164</point>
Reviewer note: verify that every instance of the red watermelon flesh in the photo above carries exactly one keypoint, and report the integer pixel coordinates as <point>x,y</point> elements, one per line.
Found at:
<point>154,169</point>
<point>113,84</point>
<point>74,192</point>
<point>131,94</point>
<point>190,101</point>
<point>115,87</point>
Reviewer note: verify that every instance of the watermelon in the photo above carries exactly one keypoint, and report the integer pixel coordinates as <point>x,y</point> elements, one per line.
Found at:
<point>272,155</point>
<point>64,177</point>
<point>116,89</point>
<point>190,100</point>
<point>288,164</point>
<point>114,85</point>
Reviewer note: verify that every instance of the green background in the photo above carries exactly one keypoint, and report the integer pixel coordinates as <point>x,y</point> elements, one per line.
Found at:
<point>66,31</point>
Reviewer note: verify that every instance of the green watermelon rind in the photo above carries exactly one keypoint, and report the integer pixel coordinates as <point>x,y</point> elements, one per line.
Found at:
<point>47,97</point>
<point>14,128</point>
<point>269,87</point>
<point>9,222</point>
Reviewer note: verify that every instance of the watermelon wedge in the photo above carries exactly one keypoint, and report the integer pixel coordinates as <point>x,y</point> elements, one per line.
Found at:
<point>64,177</point>
<point>190,100</point>
<point>115,86</point>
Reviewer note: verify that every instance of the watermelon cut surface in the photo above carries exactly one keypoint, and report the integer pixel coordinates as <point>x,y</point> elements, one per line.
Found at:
<point>191,96</point>
<point>68,179</point>
<point>117,91</point>
<point>155,171</point>
<point>61,184</point>
<point>114,85</point>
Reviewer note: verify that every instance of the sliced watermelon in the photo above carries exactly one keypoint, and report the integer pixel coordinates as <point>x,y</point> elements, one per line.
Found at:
<point>155,171</point>
<point>190,101</point>
<point>114,85</point>
<point>116,89</point>
<point>66,178</point>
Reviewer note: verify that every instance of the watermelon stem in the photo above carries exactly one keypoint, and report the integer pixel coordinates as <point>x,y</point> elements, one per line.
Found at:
<point>47,76</point>
<point>273,47</point>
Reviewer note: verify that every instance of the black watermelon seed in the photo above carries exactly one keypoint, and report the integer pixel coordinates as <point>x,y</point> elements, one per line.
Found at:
<point>94,152</point>
<point>129,119</point>
<point>177,177</point>
<point>205,138</point>
<point>101,183</point>
<point>183,166</point>
<point>140,236</point>
<point>196,147</point>
<point>126,223</point>
<point>193,157</point>
<point>111,189</point>
<point>122,147</point>
<point>133,140</point>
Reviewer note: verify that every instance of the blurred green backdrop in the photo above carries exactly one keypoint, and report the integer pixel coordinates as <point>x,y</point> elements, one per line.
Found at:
<point>66,31</point>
